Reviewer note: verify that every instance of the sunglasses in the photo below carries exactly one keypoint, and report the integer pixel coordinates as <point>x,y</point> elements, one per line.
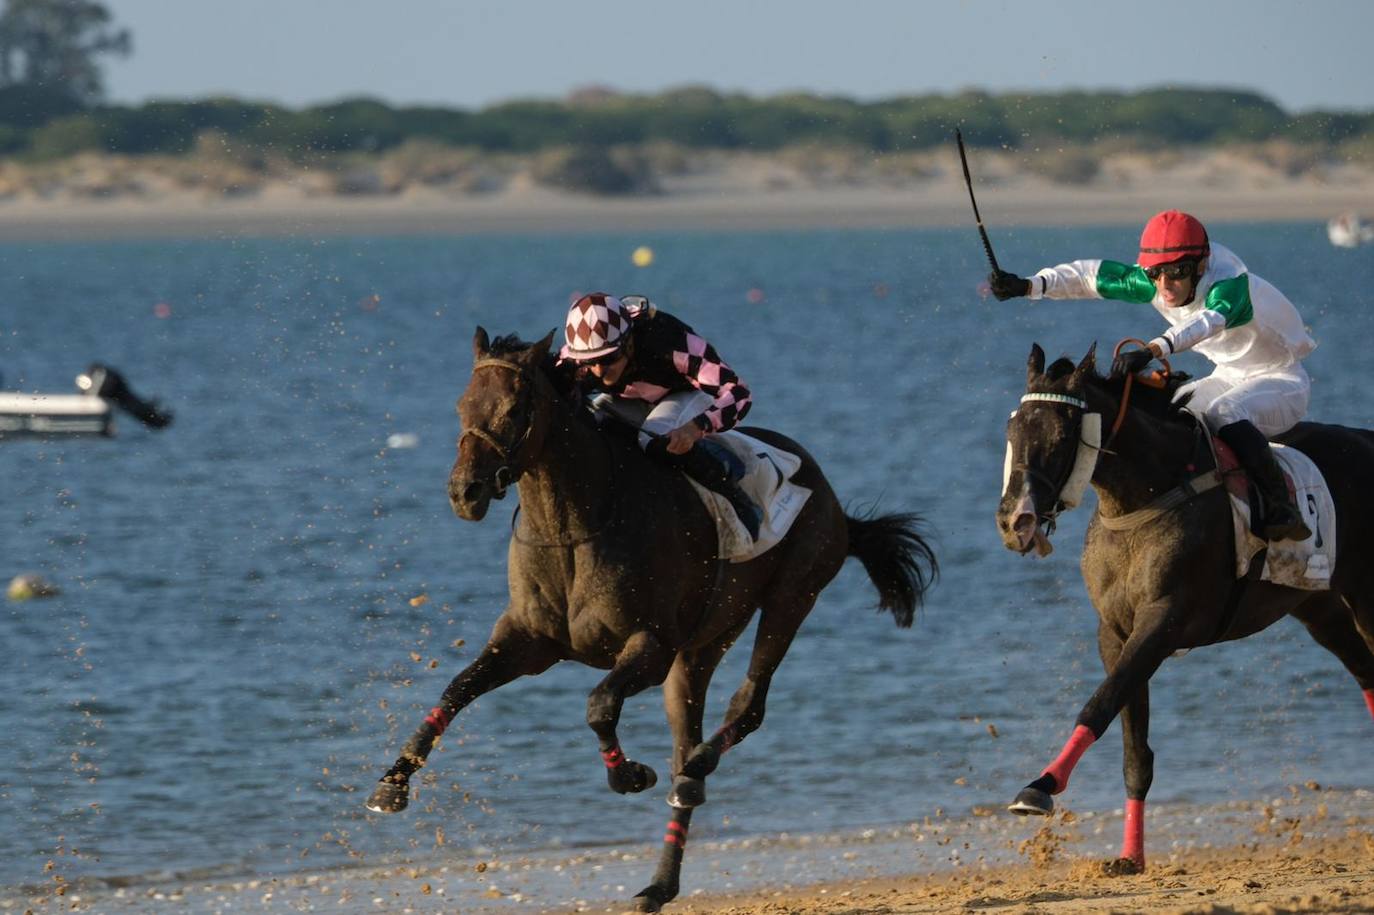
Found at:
<point>612,356</point>
<point>1178,270</point>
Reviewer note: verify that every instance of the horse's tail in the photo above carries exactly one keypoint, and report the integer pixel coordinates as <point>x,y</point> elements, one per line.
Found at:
<point>898,560</point>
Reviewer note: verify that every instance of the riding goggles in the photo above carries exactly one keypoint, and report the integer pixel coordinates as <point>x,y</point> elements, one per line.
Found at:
<point>1185,269</point>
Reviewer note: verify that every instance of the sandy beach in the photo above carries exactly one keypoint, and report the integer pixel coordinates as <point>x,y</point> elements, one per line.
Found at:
<point>1311,849</point>
<point>742,193</point>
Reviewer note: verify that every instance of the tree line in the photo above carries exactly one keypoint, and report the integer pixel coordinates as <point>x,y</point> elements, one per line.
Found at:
<point>38,122</point>
<point>51,106</point>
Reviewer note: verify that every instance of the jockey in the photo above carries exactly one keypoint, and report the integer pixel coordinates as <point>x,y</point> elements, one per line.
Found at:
<point>1249,330</point>
<point>664,380</point>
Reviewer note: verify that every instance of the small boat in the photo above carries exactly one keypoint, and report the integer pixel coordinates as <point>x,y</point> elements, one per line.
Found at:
<point>87,412</point>
<point>1348,230</point>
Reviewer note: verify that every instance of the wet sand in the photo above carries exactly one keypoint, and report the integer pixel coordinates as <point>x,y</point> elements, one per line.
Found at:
<point>1309,849</point>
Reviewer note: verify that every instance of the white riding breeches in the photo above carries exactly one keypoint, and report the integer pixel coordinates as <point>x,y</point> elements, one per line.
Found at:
<point>1274,402</point>
<point>656,418</point>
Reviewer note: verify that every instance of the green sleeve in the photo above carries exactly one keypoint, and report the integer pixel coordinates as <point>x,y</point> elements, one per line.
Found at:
<point>1231,299</point>
<point>1124,283</point>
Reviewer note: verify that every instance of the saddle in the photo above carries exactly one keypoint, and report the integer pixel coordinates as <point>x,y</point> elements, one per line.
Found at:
<point>765,474</point>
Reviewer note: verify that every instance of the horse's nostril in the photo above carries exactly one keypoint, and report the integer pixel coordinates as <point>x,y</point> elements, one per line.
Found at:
<point>472,492</point>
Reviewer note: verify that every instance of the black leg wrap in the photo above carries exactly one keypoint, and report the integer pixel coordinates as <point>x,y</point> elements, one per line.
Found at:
<point>702,762</point>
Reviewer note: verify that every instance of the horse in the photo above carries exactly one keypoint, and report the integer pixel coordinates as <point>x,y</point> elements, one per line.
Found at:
<point>1158,558</point>
<point>612,563</point>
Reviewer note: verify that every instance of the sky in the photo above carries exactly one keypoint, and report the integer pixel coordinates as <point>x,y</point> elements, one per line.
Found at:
<point>1302,54</point>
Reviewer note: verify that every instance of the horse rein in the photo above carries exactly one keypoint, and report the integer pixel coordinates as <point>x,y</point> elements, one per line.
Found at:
<point>1057,488</point>
<point>504,475</point>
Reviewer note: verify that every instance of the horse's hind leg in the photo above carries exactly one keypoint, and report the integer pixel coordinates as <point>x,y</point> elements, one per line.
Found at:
<point>509,653</point>
<point>778,625</point>
<point>1345,628</point>
<point>642,663</point>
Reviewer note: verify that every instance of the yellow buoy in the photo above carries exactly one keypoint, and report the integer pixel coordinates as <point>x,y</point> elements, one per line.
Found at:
<point>643,256</point>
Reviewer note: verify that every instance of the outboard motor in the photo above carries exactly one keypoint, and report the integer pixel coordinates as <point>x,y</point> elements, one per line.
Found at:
<point>106,383</point>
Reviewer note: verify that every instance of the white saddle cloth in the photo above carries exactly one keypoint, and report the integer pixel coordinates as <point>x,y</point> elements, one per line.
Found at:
<point>767,480</point>
<point>1305,564</point>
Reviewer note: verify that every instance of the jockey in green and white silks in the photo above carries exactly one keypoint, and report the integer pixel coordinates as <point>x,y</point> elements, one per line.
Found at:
<point>1214,305</point>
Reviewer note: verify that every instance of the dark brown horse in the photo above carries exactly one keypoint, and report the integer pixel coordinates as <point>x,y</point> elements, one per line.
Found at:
<point>613,564</point>
<point>1164,579</point>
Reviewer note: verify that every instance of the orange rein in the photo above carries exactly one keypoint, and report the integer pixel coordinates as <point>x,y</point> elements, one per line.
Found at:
<point>1154,379</point>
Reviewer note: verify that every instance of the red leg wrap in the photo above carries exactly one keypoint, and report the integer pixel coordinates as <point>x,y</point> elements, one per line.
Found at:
<point>438,719</point>
<point>1133,838</point>
<point>676,834</point>
<point>1062,767</point>
<point>1369,700</point>
<point>613,757</point>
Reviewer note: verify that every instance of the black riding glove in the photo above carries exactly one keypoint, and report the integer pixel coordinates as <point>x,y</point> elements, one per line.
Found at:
<point>1131,362</point>
<point>1006,285</point>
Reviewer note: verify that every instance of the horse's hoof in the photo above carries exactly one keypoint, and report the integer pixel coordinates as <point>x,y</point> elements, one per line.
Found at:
<point>631,777</point>
<point>1032,802</point>
<point>1122,867</point>
<point>389,797</point>
<point>687,793</point>
<point>702,762</point>
<point>653,897</point>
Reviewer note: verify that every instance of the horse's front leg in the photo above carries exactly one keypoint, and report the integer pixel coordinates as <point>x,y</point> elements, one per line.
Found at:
<point>1138,769</point>
<point>684,700</point>
<point>1150,642</point>
<point>509,653</point>
<point>642,663</point>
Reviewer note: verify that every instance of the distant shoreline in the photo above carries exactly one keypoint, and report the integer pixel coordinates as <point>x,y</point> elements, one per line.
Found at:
<point>754,194</point>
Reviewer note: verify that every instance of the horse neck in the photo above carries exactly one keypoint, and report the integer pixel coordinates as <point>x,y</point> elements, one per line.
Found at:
<point>1147,458</point>
<point>566,490</point>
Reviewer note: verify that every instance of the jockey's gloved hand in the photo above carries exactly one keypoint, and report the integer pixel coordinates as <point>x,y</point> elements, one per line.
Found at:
<point>1006,285</point>
<point>1130,362</point>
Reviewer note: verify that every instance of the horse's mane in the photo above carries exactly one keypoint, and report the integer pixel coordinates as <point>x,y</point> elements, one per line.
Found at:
<point>1157,402</point>
<point>563,377</point>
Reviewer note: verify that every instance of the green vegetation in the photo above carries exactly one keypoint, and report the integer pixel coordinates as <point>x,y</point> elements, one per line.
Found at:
<point>53,120</point>
<point>693,118</point>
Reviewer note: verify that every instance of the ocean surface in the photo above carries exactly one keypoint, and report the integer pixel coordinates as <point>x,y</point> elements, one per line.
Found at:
<point>240,645</point>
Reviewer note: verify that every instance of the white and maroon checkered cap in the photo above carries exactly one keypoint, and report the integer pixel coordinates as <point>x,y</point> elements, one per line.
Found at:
<point>597,324</point>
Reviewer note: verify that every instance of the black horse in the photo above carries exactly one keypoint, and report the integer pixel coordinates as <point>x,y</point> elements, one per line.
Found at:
<point>613,564</point>
<point>1159,558</point>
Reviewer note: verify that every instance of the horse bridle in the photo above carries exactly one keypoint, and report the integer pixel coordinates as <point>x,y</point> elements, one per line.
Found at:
<point>1080,470</point>
<point>506,474</point>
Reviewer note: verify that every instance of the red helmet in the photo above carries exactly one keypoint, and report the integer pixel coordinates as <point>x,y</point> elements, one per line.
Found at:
<point>1172,236</point>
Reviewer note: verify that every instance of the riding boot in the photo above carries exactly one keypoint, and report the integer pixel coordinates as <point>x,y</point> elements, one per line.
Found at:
<point>701,466</point>
<point>1280,516</point>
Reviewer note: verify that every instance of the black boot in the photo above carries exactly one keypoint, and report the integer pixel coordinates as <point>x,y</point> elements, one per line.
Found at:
<point>700,465</point>
<point>1281,518</point>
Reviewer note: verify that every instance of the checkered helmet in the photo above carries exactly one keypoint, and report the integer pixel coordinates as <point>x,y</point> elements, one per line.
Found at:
<point>597,325</point>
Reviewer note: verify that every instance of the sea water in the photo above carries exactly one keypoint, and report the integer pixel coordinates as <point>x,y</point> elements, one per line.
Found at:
<point>260,602</point>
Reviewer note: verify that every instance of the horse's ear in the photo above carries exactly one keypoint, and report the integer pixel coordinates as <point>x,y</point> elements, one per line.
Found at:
<point>480,342</point>
<point>1089,364</point>
<point>1035,365</point>
<point>541,347</point>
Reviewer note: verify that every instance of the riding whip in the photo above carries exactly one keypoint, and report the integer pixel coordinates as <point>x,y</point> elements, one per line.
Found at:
<point>968,182</point>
